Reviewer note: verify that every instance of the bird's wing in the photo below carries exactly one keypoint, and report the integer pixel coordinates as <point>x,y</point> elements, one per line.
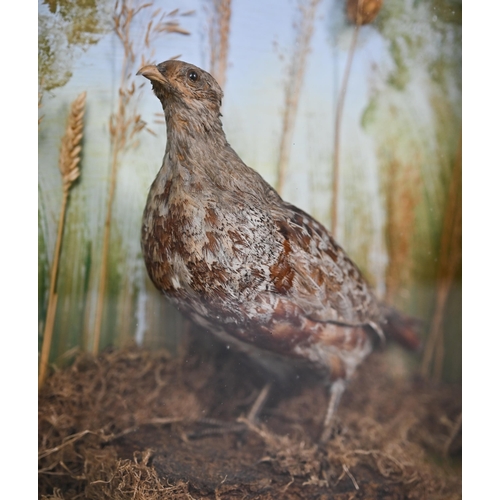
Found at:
<point>327,285</point>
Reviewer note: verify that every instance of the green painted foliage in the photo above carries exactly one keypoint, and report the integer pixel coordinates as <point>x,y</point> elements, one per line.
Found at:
<point>66,28</point>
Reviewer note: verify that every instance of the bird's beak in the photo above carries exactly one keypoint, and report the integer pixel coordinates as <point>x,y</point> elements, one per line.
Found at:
<point>151,72</point>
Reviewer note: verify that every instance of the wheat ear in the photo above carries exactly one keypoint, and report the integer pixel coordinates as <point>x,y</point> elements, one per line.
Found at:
<point>69,165</point>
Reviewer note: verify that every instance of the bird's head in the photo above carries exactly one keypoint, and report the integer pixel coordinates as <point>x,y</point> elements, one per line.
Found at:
<point>184,88</point>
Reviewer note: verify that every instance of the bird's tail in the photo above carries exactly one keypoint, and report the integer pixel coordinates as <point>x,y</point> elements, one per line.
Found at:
<point>403,329</point>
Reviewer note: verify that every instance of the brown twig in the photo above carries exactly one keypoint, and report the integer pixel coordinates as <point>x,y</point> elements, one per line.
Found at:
<point>304,30</point>
<point>351,477</point>
<point>69,161</point>
<point>67,441</point>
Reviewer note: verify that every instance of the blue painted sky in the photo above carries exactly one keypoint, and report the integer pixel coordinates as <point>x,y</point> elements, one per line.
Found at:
<point>254,96</point>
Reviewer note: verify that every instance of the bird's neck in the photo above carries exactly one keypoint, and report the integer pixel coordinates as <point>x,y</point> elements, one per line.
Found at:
<point>194,135</point>
<point>196,148</point>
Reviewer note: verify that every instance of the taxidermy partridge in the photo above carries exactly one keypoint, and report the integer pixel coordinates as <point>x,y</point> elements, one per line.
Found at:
<point>256,271</point>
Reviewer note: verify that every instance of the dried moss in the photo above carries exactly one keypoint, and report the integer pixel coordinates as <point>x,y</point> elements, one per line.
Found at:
<point>118,426</point>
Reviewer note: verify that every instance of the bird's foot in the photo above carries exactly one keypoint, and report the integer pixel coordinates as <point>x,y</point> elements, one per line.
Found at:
<point>215,426</point>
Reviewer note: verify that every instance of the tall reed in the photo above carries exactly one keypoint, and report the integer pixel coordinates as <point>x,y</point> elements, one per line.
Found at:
<point>449,261</point>
<point>69,166</point>
<point>125,124</point>
<point>304,31</point>
<point>402,194</point>
<point>219,39</point>
<point>359,12</point>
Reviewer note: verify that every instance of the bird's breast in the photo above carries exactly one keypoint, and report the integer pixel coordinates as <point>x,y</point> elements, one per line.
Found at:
<point>198,244</point>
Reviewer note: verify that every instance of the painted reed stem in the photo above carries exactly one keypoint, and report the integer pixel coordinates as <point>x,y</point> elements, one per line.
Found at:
<point>219,40</point>
<point>336,140</point>
<point>125,123</point>
<point>359,12</point>
<point>293,89</point>
<point>449,261</point>
<point>104,255</point>
<point>69,160</point>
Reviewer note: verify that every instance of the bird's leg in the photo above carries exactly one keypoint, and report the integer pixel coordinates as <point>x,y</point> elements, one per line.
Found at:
<point>221,427</point>
<point>259,403</point>
<point>336,390</point>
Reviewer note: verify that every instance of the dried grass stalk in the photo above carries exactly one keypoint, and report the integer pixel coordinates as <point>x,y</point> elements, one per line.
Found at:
<point>126,123</point>
<point>69,165</point>
<point>119,126</point>
<point>450,258</point>
<point>359,12</point>
<point>219,39</point>
<point>304,32</point>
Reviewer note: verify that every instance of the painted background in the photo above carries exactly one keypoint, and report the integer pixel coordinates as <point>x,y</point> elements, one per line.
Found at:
<point>399,191</point>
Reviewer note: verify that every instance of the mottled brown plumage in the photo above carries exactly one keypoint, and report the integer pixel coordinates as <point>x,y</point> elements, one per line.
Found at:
<point>221,244</point>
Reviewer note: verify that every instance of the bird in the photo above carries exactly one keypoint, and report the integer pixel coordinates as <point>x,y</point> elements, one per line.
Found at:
<point>254,270</point>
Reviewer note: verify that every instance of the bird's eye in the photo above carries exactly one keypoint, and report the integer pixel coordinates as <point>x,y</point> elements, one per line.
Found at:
<point>193,75</point>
